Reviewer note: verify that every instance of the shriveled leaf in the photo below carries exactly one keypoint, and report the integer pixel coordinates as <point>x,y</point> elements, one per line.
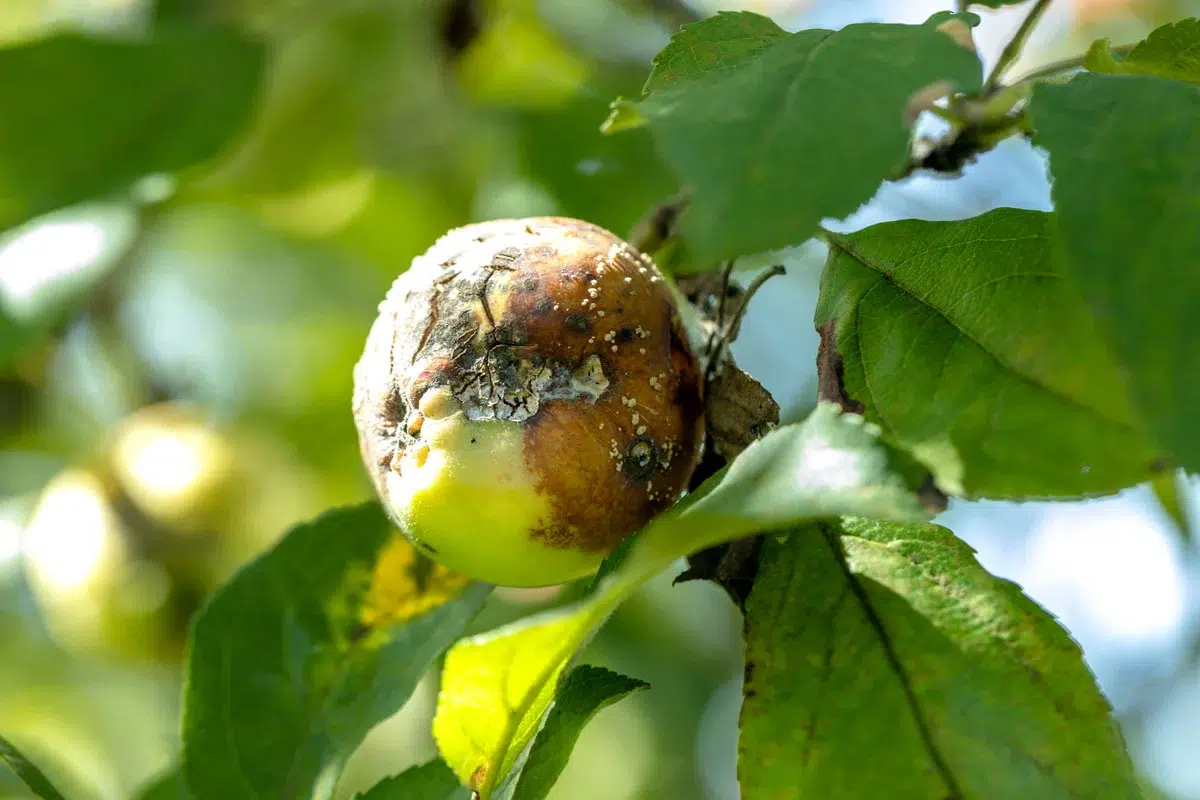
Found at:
<point>585,692</point>
<point>965,336</point>
<point>432,781</point>
<point>1127,194</point>
<point>307,649</point>
<point>496,687</point>
<point>1172,51</point>
<point>775,131</point>
<point>888,642</point>
<point>28,772</point>
<point>89,116</point>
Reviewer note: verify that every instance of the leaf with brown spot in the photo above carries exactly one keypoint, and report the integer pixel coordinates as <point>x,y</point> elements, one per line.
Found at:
<point>496,687</point>
<point>309,647</point>
<point>888,640</point>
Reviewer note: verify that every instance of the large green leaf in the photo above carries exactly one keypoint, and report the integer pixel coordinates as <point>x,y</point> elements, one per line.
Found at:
<point>965,335</point>
<point>432,781</point>
<point>1172,51</point>
<point>307,649</point>
<point>86,117</point>
<point>775,131</point>
<point>497,686</point>
<point>1127,192</point>
<point>888,642</point>
<point>28,772</point>
<point>583,694</point>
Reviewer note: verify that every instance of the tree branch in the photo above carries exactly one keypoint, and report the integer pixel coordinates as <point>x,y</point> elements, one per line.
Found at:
<point>1012,50</point>
<point>1055,68</point>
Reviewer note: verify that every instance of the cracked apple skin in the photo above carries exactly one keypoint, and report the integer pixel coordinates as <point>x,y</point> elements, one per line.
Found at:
<point>527,398</point>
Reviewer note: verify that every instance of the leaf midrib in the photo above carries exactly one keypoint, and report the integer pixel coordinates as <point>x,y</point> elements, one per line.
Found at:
<point>836,240</point>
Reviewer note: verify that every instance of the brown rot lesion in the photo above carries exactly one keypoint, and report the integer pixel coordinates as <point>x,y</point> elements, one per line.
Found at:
<point>641,460</point>
<point>392,417</point>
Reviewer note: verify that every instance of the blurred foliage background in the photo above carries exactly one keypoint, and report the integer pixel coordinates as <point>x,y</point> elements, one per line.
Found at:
<point>175,366</point>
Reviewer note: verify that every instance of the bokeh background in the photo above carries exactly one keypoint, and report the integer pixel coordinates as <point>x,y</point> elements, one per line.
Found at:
<point>188,397</point>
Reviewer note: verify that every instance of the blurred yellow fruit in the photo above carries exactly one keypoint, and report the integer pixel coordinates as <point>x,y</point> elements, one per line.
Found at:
<point>98,591</point>
<point>120,551</point>
<point>174,465</point>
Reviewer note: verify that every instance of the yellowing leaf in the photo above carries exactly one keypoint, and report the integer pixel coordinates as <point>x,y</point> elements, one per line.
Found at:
<point>496,687</point>
<point>288,671</point>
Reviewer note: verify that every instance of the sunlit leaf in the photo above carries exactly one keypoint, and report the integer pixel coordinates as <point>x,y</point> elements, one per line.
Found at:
<point>889,639</point>
<point>307,649</point>
<point>496,687</point>
<point>87,117</point>
<point>722,43</point>
<point>28,772</point>
<point>1172,51</point>
<point>432,781</point>
<point>774,132</point>
<point>1127,193</point>
<point>967,333</point>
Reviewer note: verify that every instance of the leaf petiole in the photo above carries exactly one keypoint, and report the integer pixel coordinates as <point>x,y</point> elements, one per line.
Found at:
<point>1012,50</point>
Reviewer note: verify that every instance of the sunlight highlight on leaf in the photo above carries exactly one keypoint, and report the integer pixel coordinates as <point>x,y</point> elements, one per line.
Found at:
<point>996,377</point>
<point>284,679</point>
<point>497,687</point>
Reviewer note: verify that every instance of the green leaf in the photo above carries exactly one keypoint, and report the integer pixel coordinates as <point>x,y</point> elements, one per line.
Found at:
<point>721,43</point>
<point>774,132</point>
<point>28,772</point>
<point>432,781</point>
<point>888,642</point>
<point>1127,194</point>
<point>307,649</point>
<point>623,116</point>
<point>15,338</point>
<point>88,117</point>
<point>583,694</point>
<point>497,686</point>
<point>1172,51</point>
<point>965,337</point>
<point>1171,491</point>
<point>607,180</point>
<point>168,786</point>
